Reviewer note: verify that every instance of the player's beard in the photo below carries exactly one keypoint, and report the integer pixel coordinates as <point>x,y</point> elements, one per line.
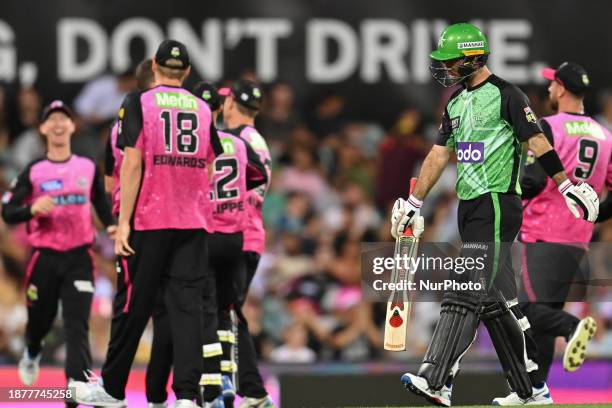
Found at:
<point>554,104</point>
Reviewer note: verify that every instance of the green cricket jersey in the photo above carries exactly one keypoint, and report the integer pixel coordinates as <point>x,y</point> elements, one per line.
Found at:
<point>485,125</point>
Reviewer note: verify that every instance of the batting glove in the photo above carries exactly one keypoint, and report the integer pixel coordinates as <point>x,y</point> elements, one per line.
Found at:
<point>403,214</point>
<point>580,195</point>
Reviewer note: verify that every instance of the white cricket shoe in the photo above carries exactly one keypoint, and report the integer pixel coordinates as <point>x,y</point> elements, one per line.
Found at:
<point>185,403</point>
<point>29,368</point>
<point>540,396</point>
<point>575,350</point>
<point>264,402</point>
<point>419,386</point>
<point>93,393</point>
<point>157,405</point>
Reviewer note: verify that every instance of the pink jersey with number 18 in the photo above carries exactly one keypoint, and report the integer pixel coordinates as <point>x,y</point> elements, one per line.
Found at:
<point>255,234</point>
<point>585,149</point>
<point>172,129</point>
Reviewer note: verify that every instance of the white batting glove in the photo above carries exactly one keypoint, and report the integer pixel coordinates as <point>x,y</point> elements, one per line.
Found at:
<point>580,195</point>
<point>404,212</point>
<point>418,226</point>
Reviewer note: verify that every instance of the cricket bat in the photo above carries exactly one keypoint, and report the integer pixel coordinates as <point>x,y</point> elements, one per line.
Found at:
<point>398,306</point>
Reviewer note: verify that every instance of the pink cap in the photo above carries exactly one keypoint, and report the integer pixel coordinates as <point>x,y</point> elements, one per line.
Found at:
<point>548,73</point>
<point>225,91</point>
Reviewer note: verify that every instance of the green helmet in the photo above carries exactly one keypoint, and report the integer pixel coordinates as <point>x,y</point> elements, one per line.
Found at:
<point>459,41</point>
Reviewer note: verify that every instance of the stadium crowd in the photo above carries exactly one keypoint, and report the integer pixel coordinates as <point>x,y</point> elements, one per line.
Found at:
<point>334,178</point>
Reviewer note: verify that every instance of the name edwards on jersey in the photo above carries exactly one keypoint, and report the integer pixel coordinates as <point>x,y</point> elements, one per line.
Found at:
<point>186,141</point>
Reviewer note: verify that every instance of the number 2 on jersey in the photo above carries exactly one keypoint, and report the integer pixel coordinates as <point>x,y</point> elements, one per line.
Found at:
<point>587,157</point>
<point>186,137</point>
<point>224,178</point>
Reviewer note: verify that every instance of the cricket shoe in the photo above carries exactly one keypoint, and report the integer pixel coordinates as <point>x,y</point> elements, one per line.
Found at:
<point>29,368</point>
<point>419,386</point>
<point>249,402</point>
<point>539,396</point>
<point>227,396</point>
<point>157,405</point>
<point>185,403</point>
<point>575,350</point>
<point>92,393</point>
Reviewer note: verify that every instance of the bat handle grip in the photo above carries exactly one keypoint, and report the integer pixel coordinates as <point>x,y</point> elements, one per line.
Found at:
<point>413,181</point>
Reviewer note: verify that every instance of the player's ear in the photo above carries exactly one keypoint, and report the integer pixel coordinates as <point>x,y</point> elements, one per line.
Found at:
<point>71,126</point>
<point>187,72</point>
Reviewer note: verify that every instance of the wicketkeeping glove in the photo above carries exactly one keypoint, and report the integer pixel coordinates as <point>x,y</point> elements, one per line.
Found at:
<point>580,195</point>
<point>404,212</point>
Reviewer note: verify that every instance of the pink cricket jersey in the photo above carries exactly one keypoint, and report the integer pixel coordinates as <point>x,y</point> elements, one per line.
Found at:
<point>255,234</point>
<point>117,159</point>
<point>585,148</point>
<point>171,127</point>
<point>70,224</point>
<point>228,186</point>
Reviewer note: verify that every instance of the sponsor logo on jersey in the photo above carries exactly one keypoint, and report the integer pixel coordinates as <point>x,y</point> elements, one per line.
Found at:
<point>455,123</point>
<point>470,152</point>
<point>70,199</point>
<point>176,100</point>
<point>529,114</point>
<point>470,44</point>
<point>584,128</point>
<point>228,145</point>
<point>6,197</point>
<point>52,185</point>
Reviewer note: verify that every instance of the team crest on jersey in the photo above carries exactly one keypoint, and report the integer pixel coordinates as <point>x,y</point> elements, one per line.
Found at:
<point>52,185</point>
<point>455,123</point>
<point>529,114</point>
<point>82,182</point>
<point>32,293</point>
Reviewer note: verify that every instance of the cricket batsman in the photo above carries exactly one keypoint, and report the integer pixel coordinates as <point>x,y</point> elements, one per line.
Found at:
<point>551,265</point>
<point>486,121</point>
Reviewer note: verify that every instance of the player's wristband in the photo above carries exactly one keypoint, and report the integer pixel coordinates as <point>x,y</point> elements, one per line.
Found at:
<point>415,202</point>
<point>550,162</point>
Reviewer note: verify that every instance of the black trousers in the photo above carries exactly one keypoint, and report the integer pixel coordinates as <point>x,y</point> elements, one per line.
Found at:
<point>66,276</point>
<point>494,221</point>
<point>175,260</point>
<point>251,383</point>
<point>548,272</point>
<point>160,363</point>
<point>228,277</point>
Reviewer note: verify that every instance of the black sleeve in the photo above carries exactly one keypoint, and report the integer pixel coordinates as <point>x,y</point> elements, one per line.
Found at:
<point>517,112</point>
<point>14,210</point>
<point>109,158</point>
<point>445,130</point>
<point>215,142</point>
<point>546,129</point>
<point>256,170</point>
<point>130,121</point>
<point>100,201</point>
<point>605,208</point>
<point>534,179</point>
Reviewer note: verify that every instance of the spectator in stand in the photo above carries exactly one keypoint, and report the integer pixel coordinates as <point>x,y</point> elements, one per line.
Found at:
<point>100,99</point>
<point>605,105</point>
<point>295,348</point>
<point>403,148</point>
<point>278,118</point>
<point>328,115</point>
<point>29,144</point>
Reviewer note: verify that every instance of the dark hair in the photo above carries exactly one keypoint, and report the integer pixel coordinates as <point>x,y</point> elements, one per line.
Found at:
<point>144,74</point>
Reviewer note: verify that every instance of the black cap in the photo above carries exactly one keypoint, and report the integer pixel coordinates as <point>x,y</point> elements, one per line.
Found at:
<point>55,106</point>
<point>572,76</point>
<point>208,93</point>
<point>247,93</point>
<point>172,54</point>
